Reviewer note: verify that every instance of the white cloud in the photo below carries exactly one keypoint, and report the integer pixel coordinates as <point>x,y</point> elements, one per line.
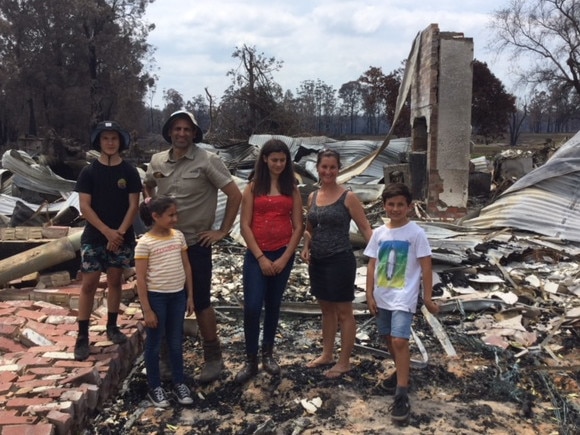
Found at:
<point>331,40</point>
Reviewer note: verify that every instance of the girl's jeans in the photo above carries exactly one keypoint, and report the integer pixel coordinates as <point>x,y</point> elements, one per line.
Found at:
<point>170,311</point>
<point>261,290</point>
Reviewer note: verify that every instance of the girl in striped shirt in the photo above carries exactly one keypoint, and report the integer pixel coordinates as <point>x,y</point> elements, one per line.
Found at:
<point>165,288</point>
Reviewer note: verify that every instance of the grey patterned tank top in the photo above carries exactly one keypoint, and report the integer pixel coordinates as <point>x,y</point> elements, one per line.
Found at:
<point>330,227</point>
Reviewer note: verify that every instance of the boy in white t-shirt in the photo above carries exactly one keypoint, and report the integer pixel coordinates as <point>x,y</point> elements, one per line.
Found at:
<point>399,254</point>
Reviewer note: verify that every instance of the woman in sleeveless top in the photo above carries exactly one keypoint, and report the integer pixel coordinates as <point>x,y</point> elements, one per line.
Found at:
<point>272,225</point>
<point>332,265</point>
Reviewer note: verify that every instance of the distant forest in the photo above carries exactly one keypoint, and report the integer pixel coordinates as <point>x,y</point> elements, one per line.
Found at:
<point>65,65</point>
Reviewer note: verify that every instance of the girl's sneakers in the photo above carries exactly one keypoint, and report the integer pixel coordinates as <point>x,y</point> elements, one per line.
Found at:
<point>183,394</point>
<point>158,398</point>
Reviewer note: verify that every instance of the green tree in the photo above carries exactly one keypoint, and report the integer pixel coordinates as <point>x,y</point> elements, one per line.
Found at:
<point>379,94</point>
<point>564,106</point>
<point>316,105</point>
<point>173,101</point>
<point>69,64</point>
<point>539,111</point>
<point>392,84</point>
<point>491,105</point>
<point>372,82</point>
<point>289,119</point>
<point>351,95</point>
<point>200,108</point>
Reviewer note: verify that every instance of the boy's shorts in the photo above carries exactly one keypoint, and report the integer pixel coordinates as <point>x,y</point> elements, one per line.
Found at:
<point>394,323</point>
<point>96,258</point>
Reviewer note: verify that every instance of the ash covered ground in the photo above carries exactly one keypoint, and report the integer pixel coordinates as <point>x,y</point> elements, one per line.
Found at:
<point>483,390</point>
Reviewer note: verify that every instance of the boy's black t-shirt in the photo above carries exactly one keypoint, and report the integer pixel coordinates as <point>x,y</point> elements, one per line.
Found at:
<point>109,187</point>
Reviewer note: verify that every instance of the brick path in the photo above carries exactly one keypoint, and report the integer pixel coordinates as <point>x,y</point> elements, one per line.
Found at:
<point>43,390</point>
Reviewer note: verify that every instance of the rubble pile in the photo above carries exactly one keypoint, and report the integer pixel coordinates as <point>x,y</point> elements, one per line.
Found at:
<point>522,387</point>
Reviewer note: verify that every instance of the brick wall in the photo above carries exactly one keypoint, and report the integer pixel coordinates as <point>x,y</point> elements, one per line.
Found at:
<point>441,105</point>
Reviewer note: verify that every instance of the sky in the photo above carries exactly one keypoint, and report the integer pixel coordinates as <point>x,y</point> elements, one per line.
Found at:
<point>335,41</point>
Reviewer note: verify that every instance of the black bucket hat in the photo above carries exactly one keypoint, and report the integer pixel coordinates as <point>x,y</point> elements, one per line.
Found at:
<point>185,115</point>
<point>110,126</point>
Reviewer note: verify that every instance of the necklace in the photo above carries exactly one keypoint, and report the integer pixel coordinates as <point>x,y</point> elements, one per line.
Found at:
<point>317,212</point>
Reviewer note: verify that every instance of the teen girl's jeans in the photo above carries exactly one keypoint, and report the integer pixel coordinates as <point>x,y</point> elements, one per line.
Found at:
<point>261,290</point>
<point>170,311</point>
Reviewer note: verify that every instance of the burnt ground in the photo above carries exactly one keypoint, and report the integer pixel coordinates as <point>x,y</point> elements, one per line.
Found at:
<point>484,390</point>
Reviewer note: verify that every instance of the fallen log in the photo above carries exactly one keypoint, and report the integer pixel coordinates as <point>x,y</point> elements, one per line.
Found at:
<point>39,258</point>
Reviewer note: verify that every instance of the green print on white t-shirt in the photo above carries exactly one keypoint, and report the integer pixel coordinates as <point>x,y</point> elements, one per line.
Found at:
<point>392,264</point>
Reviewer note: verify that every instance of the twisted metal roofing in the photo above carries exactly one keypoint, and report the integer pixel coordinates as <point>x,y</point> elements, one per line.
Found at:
<point>544,201</point>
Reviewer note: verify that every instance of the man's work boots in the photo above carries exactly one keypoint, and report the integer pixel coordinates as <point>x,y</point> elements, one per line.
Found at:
<point>213,362</point>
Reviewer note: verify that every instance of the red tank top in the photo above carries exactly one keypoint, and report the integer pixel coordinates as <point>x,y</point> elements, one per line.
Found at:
<point>272,221</point>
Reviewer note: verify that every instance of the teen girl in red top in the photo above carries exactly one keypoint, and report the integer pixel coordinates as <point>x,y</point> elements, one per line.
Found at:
<point>272,225</point>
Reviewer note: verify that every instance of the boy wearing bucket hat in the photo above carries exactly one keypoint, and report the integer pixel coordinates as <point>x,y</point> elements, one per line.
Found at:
<point>193,177</point>
<point>109,191</point>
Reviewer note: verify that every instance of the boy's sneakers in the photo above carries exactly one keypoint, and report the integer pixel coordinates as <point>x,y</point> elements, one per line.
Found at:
<point>183,394</point>
<point>400,409</point>
<point>158,398</point>
<point>82,350</point>
<point>389,385</point>
<point>115,335</point>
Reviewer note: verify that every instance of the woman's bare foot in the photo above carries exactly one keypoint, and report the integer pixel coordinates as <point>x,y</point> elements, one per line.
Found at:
<point>320,361</point>
<point>337,371</point>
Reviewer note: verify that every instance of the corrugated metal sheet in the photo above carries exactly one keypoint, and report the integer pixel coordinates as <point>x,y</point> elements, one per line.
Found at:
<point>312,143</point>
<point>5,181</point>
<point>236,157</point>
<point>30,175</point>
<point>544,201</point>
<point>7,204</point>
<point>396,152</point>
<point>303,150</point>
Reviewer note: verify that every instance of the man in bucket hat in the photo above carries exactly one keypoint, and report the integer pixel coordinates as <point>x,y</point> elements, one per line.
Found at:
<point>193,177</point>
<point>109,191</point>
